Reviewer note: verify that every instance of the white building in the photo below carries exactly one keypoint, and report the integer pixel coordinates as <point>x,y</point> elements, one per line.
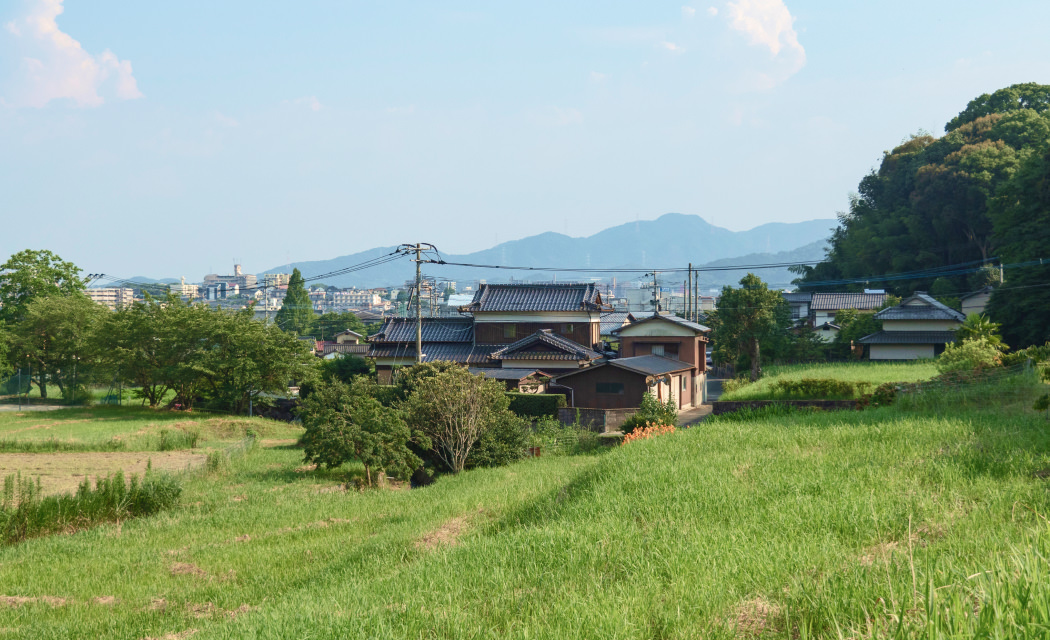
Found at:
<point>112,297</point>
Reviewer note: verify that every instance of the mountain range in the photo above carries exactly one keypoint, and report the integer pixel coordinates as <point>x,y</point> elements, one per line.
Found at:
<point>672,240</point>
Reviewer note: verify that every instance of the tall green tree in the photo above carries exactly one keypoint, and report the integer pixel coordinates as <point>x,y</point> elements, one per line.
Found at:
<point>57,338</point>
<point>745,318</point>
<point>1022,230</point>
<point>5,363</point>
<point>325,326</point>
<point>30,274</point>
<point>297,312</point>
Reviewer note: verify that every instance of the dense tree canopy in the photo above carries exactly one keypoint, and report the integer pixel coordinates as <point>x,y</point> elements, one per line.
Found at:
<point>968,199</point>
<point>325,326</point>
<point>745,319</point>
<point>31,274</point>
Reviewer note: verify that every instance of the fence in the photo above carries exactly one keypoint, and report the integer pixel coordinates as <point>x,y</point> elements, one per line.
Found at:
<point>598,420</point>
<point>23,388</point>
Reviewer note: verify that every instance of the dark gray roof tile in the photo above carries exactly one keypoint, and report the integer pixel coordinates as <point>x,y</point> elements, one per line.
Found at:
<point>536,297</point>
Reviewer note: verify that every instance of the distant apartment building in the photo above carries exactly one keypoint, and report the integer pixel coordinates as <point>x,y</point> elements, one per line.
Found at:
<point>112,297</point>
<point>356,298</point>
<point>238,278</point>
<point>185,290</point>
<point>221,291</point>
<point>276,279</point>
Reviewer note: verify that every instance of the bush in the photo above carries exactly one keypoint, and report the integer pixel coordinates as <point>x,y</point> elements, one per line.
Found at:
<point>884,395</point>
<point>651,411</point>
<point>503,444</point>
<point>969,355</point>
<point>823,388</point>
<point>735,384</point>
<point>25,513</point>
<point>1039,353</point>
<point>535,405</point>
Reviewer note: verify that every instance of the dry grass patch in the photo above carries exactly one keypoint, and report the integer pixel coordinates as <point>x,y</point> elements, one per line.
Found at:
<point>105,600</point>
<point>187,569</point>
<point>447,534</point>
<point>755,617</point>
<point>63,472</point>
<point>18,601</point>
<point>181,635</point>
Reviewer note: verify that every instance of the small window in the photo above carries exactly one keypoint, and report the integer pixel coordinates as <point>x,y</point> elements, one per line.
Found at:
<point>510,330</point>
<point>684,385</point>
<point>657,350</point>
<point>609,387</point>
<point>566,329</point>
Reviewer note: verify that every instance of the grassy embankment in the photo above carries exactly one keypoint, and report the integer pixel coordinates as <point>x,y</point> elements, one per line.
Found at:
<point>874,373</point>
<point>808,525</point>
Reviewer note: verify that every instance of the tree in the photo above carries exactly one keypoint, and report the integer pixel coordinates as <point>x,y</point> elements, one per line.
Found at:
<point>853,326</point>
<point>5,363</point>
<point>325,326</point>
<point>979,327</point>
<point>297,312</point>
<point>345,423</point>
<point>454,409</point>
<point>28,275</point>
<point>746,317</point>
<point>344,368</point>
<point>56,336</point>
<point>1018,96</point>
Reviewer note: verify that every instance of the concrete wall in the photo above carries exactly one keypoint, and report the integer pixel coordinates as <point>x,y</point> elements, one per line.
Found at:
<point>900,351</point>
<point>919,325</point>
<point>598,420</point>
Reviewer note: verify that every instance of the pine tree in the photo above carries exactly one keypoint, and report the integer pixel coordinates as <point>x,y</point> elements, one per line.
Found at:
<point>296,311</point>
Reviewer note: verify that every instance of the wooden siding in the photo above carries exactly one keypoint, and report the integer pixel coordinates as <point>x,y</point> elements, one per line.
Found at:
<point>690,349</point>
<point>585,333</point>
<point>584,388</point>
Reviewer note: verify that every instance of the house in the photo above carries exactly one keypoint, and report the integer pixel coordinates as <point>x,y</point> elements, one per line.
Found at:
<point>824,306</point>
<point>544,349</point>
<point>525,380</point>
<point>661,353</point>
<point>348,337</point>
<point>799,302</point>
<point>827,332</point>
<point>451,339</point>
<point>620,383</point>
<point>976,301</point>
<point>919,327</point>
<point>610,322</point>
<point>506,313</point>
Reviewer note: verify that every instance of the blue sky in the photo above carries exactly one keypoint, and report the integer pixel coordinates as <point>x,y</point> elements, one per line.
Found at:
<point>168,139</point>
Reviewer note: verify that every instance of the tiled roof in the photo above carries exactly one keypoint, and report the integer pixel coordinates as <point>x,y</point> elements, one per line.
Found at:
<point>651,365</point>
<point>837,301</point>
<point>505,374</point>
<point>920,307</point>
<point>332,347</point>
<point>433,329</point>
<point>909,337</point>
<point>536,297</point>
<point>461,353</point>
<point>798,296</point>
<point>614,320</point>
<point>560,349</point>
<point>682,322</point>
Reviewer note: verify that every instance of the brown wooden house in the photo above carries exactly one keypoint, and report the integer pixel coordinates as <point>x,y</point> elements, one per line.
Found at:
<point>620,383</point>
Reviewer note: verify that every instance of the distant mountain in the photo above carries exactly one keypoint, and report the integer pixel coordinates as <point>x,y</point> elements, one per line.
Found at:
<point>672,240</point>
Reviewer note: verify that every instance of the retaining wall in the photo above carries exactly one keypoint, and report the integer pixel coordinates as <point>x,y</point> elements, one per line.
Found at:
<point>729,406</point>
<point>598,420</point>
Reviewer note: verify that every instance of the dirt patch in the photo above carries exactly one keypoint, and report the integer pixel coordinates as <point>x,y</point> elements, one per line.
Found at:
<point>105,600</point>
<point>63,472</point>
<point>18,601</point>
<point>444,536</point>
<point>741,471</point>
<point>204,610</point>
<point>158,604</point>
<point>187,569</point>
<point>756,616</point>
<point>244,608</point>
<point>277,442</point>
<point>244,538</point>
<point>181,635</point>
<point>240,498</point>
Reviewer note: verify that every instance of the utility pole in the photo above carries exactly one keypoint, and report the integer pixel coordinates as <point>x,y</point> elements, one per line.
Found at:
<point>696,297</point>
<point>656,295</point>
<point>689,294</point>
<point>418,248</point>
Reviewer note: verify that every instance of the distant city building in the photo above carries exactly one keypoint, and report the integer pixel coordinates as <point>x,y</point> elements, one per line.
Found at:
<point>356,298</point>
<point>238,278</point>
<point>185,290</point>
<point>112,297</point>
<point>276,279</point>
<point>221,291</point>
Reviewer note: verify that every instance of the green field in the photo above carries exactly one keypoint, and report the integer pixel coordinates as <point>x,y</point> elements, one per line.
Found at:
<point>875,373</point>
<point>812,525</point>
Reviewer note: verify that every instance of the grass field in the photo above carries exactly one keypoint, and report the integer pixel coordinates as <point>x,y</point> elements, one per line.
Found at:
<point>875,373</point>
<point>816,525</point>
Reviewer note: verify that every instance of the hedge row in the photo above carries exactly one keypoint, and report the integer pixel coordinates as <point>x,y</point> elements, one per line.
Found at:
<point>535,405</point>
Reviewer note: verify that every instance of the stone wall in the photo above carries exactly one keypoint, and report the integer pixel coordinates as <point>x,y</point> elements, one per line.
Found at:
<point>597,420</point>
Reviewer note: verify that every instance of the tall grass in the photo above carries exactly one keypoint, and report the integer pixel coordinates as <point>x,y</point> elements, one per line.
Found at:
<point>25,513</point>
<point>874,373</point>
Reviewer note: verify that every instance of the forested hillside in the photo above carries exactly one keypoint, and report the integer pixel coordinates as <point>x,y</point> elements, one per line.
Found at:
<point>938,209</point>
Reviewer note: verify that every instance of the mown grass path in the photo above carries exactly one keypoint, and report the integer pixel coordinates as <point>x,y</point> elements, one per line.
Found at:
<point>787,527</point>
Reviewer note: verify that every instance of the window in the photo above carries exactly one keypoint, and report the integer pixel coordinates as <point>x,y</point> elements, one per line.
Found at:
<point>510,330</point>
<point>657,350</point>
<point>566,329</point>
<point>609,387</point>
<point>684,384</point>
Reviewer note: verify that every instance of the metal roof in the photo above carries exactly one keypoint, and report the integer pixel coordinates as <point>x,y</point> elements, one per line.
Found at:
<point>682,322</point>
<point>920,307</point>
<point>909,337</point>
<point>651,365</point>
<point>433,330</point>
<point>461,353</point>
<point>838,301</point>
<point>798,296</point>
<point>614,320</point>
<point>536,297</point>
<point>561,349</point>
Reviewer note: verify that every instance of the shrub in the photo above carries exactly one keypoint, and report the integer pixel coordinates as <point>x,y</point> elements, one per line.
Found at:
<point>502,444</point>
<point>884,395</point>
<point>1040,353</point>
<point>819,388</point>
<point>535,405</point>
<point>650,430</point>
<point>730,385</point>
<point>651,410</point>
<point>969,355</point>
<point>178,439</point>
<point>25,513</point>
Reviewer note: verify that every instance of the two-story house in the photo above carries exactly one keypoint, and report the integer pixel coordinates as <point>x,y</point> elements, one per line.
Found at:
<point>919,327</point>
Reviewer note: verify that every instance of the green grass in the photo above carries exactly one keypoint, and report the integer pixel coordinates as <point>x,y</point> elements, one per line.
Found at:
<point>808,525</point>
<point>875,373</point>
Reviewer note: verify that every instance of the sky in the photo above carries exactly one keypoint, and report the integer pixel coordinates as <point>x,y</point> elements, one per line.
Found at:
<point>172,139</point>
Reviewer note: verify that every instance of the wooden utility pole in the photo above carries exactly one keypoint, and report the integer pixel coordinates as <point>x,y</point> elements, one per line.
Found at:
<point>419,311</point>
<point>696,297</point>
<point>656,295</point>
<point>689,294</point>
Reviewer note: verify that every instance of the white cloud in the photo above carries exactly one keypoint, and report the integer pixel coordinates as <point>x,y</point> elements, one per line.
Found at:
<point>769,24</point>
<point>310,102</point>
<point>712,11</point>
<point>56,67</point>
<point>688,12</point>
<point>672,47</point>
<point>597,76</point>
